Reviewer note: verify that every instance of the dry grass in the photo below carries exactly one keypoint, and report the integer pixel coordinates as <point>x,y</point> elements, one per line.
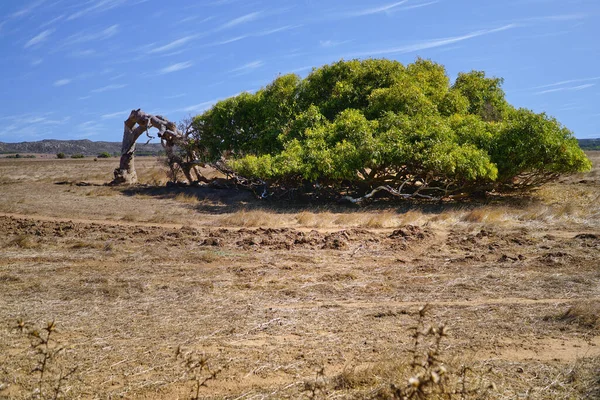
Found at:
<point>187,199</point>
<point>583,313</point>
<point>131,277</point>
<point>251,218</point>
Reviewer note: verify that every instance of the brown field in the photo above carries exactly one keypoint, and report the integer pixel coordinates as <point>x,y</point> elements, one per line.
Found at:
<point>290,301</point>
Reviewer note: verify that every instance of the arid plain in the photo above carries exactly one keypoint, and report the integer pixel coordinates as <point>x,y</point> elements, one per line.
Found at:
<point>291,301</point>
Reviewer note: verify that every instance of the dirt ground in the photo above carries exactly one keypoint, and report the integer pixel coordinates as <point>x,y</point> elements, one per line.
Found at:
<point>153,290</point>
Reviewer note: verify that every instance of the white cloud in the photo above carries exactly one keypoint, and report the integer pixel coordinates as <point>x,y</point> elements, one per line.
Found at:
<point>62,82</point>
<point>567,88</point>
<point>100,35</point>
<point>175,67</point>
<point>198,107</point>
<point>560,17</point>
<point>27,10</point>
<point>122,114</point>
<point>376,10</point>
<point>98,6</point>
<point>41,37</point>
<point>241,20</point>
<point>566,82</point>
<point>430,43</point>
<point>108,87</point>
<point>173,45</point>
<point>248,67</point>
<point>332,43</point>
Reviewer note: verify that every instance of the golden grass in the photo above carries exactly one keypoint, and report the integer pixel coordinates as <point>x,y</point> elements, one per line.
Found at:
<point>250,219</point>
<point>186,199</point>
<point>24,241</point>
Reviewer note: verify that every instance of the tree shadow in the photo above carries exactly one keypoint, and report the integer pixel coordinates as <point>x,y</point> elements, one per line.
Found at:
<point>211,200</point>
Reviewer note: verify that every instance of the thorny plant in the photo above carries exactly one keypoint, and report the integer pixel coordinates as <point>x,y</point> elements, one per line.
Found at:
<point>196,369</point>
<point>429,376</point>
<point>51,379</point>
<point>318,386</point>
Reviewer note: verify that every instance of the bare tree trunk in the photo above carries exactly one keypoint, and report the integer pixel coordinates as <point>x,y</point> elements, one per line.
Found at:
<point>126,172</point>
<point>136,124</point>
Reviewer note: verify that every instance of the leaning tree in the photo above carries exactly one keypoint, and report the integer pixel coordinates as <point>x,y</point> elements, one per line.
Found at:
<point>177,144</point>
<point>355,128</point>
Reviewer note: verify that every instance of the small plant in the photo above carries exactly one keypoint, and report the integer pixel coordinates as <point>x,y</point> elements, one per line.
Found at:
<point>77,156</point>
<point>51,379</point>
<point>429,377</point>
<point>318,386</point>
<point>61,155</point>
<point>196,369</point>
<point>104,154</point>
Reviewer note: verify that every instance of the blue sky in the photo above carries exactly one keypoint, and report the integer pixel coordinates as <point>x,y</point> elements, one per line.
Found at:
<point>73,69</point>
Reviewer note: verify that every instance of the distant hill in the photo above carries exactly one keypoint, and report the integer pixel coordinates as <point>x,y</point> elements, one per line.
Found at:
<point>69,147</point>
<point>89,148</point>
<point>589,144</point>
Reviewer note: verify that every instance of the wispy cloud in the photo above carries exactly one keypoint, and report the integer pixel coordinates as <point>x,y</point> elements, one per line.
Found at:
<point>27,10</point>
<point>247,67</point>
<point>567,82</point>
<point>241,20</point>
<point>173,45</point>
<point>62,82</point>
<point>39,38</point>
<point>175,67</point>
<point>82,37</point>
<point>375,10</point>
<point>429,44</point>
<point>332,43</point>
<point>567,88</point>
<point>123,114</point>
<point>108,87</point>
<point>52,21</point>
<point>558,17</point>
<point>198,107</point>
<point>98,6</point>
<point>255,34</point>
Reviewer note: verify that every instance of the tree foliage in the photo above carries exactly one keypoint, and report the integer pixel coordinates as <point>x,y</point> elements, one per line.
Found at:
<point>354,126</point>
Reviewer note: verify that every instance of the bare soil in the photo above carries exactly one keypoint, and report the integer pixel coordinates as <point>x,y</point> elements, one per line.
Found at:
<point>272,293</point>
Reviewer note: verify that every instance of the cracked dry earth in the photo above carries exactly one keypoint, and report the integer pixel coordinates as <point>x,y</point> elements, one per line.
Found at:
<point>269,306</point>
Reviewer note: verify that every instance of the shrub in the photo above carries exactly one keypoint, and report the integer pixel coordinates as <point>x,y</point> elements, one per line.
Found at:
<point>104,154</point>
<point>353,126</point>
<point>61,155</point>
<point>77,156</point>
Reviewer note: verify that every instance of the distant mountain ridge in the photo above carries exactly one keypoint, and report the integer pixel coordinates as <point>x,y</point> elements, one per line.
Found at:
<point>90,148</point>
<point>69,147</point>
<point>589,144</point>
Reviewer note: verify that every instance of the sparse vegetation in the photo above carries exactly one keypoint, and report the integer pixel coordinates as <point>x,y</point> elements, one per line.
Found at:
<point>287,297</point>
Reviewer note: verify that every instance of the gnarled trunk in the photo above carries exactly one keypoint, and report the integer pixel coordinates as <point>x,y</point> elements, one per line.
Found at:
<point>136,124</point>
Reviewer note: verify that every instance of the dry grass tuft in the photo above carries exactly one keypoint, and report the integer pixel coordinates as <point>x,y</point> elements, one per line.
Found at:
<point>82,244</point>
<point>187,199</point>
<point>485,214</point>
<point>24,241</point>
<point>584,313</point>
<point>250,219</point>
<point>209,257</point>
